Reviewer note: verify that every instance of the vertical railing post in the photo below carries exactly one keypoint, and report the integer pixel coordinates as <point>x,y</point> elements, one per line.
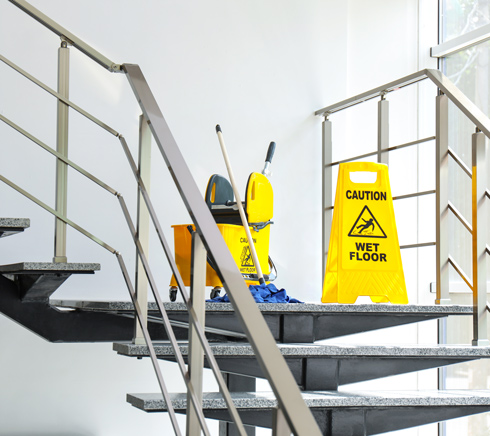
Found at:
<point>196,353</point>
<point>143,225</point>
<point>479,226</point>
<point>62,148</point>
<point>442,198</point>
<point>327,188</point>
<point>383,129</point>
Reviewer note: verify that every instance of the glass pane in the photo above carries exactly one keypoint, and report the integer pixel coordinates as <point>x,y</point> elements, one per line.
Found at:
<point>469,71</point>
<point>463,16</point>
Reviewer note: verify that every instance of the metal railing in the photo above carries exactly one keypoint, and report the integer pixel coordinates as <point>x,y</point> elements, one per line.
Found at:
<point>292,411</point>
<point>478,172</point>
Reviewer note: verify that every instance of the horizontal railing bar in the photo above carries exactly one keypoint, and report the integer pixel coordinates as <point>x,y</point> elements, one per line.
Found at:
<point>487,193</point>
<point>460,217</point>
<point>416,194</point>
<point>66,35</point>
<point>422,244</point>
<point>385,150</point>
<point>460,271</point>
<point>458,160</point>
<point>58,96</point>
<point>487,249</point>
<point>401,197</point>
<point>58,155</point>
<point>462,42</point>
<point>373,93</point>
<point>193,318</point>
<point>58,215</point>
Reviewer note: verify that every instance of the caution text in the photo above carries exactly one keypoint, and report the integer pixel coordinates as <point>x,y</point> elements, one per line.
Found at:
<point>365,195</point>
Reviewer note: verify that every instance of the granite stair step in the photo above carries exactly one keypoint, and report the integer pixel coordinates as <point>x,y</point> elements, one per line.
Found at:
<point>357,413</point>
<point>12,226</point>
<point>325,367</point>
<point>36,281</point>
<point>292,323</point>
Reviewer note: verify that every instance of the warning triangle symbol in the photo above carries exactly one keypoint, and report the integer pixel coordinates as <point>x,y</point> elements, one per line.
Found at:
<point>246,257</point>
<point>366,226</point>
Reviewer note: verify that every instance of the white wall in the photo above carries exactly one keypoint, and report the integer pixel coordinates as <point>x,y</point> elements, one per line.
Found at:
<point>260,69</point>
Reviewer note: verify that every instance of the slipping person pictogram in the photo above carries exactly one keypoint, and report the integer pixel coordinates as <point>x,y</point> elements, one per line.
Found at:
<point>366,225</point>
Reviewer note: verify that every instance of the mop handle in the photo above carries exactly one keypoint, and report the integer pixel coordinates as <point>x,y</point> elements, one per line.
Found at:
<point>240,205</point>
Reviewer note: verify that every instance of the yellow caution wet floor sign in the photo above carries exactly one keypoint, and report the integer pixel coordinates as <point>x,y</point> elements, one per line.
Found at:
<point>364,254</point>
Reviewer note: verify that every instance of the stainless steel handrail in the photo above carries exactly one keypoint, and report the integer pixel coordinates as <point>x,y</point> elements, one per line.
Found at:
<point>447,91</point>
<point>164,316</point>
<point>298,415</point>
<point>289,397</point>
<point>440,80</point>
<point>66,35</point>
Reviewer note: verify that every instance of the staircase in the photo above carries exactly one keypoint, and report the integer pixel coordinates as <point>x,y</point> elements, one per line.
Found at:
<point>321,370</point>
<point>245,340</point>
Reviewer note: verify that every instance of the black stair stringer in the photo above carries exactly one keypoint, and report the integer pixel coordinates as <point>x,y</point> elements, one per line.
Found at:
<point>56,325</point>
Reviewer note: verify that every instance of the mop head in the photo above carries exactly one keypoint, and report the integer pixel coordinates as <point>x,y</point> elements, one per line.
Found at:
<point>262,294</point>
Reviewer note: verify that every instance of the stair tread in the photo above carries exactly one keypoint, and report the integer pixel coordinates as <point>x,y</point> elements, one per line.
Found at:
<point>48,267</point>
<point>15,222</point>
<point>11,226</point>
<point>322,399</point>
<point>315,308</point>
<point>231,349</point>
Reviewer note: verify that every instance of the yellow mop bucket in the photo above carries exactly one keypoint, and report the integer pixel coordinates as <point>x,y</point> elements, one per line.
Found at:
<point>259,210</point>
<point>364,254</point>
<point>235,239</point>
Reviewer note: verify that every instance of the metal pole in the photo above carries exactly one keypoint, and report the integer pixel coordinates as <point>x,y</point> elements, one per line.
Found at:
<point>143,225</point>
<point>237,383</point>
<point>273,365</point>
<point>280,426</point>
<point>383,129</point>
<point>442,232</point>
<point>479,225</point>
<point>196,352</point>
<point>327,189</point>
<point>62,148</point>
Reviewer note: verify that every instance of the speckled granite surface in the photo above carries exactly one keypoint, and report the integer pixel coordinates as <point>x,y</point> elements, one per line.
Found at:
<point>280,307</point>
<point>15,222</point>
<point>330,350</point>
<point>323,399</point>
<point>49,267</point>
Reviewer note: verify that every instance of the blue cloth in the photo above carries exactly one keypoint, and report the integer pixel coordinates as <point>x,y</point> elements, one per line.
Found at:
<point>262,294</point>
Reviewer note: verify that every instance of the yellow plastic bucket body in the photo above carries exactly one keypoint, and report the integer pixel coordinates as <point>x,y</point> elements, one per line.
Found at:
<point>236,240</point>
<point>364,254</point>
